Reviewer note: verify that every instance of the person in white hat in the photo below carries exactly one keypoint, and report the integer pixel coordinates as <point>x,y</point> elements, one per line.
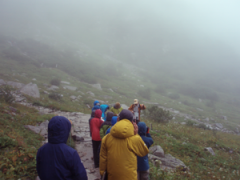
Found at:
<point>136,110</point>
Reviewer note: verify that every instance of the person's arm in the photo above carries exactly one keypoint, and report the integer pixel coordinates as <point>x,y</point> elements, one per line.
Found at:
<point>137,145</point>
<point>102,132</point>
<point>78,170</point>
<point>142,107</point>
<point>103,156</point>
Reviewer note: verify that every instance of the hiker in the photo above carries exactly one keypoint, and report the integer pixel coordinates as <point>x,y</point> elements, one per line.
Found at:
<point>113,121</point>
<point>104,108</point>
<point>116,109</point>
<point>120,149</point>
<point>57,160</point>
<point>95,125</point>
<point>106,124</point>
<point>142,162</point>
<point>96,105</point>
<point>136,110</point>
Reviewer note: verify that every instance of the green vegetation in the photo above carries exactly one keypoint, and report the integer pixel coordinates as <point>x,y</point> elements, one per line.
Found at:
<point>6,94</point>
<point>158,114</point>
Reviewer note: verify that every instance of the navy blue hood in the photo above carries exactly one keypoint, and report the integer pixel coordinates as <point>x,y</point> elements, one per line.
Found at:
<point>96,105</point>
<point>58,130</point>
<point>126,114</point>
<point>142,128</point>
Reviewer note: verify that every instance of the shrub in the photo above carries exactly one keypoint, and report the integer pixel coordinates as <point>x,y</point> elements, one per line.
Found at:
<point>145,93</point>
<point>174,96</point>
<point>158,114</point>
<point>55,82</point>
<point>190,123</point>
<point>202,126</point>
<point>6,94</point>
<point>55,96</point>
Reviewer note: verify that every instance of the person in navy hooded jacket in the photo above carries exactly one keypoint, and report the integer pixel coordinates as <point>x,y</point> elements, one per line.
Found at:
<point>56,160</point>
<point>142,162</point>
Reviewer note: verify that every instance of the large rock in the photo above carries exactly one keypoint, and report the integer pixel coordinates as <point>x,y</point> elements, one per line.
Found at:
<point>97,86</point>
<point>72,88</point>
<point>90,93</point>
<point>15,84</point>
<point>33,128</point>
<point>124,106</point>
<point>65,82</point>
<point>31,90</point>
<point>157,151</point>
<point>218,125</point>
<point>53,88</point>
<point>209,149</point>
<point>2,82</point>
<point>168,162</point>
<point>44,124</point>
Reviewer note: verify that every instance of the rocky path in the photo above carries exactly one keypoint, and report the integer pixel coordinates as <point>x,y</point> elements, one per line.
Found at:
<point>80,133</point>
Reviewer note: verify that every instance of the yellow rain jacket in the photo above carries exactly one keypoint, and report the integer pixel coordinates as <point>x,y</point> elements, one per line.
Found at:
<point>119,151</point>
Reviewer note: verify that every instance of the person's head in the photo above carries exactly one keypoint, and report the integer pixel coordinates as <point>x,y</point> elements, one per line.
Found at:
<point>58,130</point>
<point>104,107</point>
<point>98,113</point>
<point>96,103</point>
<point>114,120</point>
<point>109,116</point>
<point>126,114</point>
<point>117,105</point>
<point>135,102</point>
<point>142,128</point>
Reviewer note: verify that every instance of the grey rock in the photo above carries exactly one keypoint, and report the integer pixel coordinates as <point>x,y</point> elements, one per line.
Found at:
<point>110,90</point>
<point>45,92</point>
<point>124,106</point>
<point>73,97</point>
<point>2,82</point>
<point>218,125</point>
<point>157,151</point>
<point>31,90</point>
<point>65,82</point>
<point>225,118</point>
<point>44,132</point>
<point>183,123</point>
<point>34,79</point>
<point>97,86</point>
<point>72,88</point>
<point>44,124</point>
<point>53,88</point>
<point>15,84</point>
<point>209,149</point>
<point>37,178</point>
<point>168,162</point>
<point>207,119</point>
<point>141,85</point>
<point>33,128</point>
<point>176,112</point>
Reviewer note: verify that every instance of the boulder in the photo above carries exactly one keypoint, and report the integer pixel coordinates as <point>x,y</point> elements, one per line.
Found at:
<point>33,128</point>
<point>90,93</point>
<point>31,90</point>
<point>183,123</point>
<point>44,124</point>
<point>53,88</point>
<point>209,149</point>
<point>2,82</point>
<point>73,97</point>
<point>15,84</point>
<point>34,79</point>
<point>44,132</point>
<point>218,125</point>
<point>168,162</point>
<point>72,88</point>
<point>45,92</point>
<point>124,106</point>
<point>97,86</point>
<point>157,151</point>
<point>65,82</point>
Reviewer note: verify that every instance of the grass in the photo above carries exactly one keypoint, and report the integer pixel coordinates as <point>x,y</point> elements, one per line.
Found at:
<point>225,165</point>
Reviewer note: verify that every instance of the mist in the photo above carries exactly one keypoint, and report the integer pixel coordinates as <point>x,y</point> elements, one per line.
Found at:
<point>189,41</point>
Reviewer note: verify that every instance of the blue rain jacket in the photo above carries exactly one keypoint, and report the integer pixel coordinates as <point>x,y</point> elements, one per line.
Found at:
<point>142,162</point>
<point>113,121</point>
<point>96,105</point>
<point>56,160</point>
<point>104,108</point>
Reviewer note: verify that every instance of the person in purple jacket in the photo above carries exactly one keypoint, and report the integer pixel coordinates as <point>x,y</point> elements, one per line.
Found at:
<point>56,160</point>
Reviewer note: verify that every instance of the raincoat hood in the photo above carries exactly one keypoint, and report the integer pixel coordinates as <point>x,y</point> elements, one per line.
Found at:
<point>58,130</point>
<point>142,128</point>
<point>98,113</point>
<point>109,116</point>
<point>126,114</point>
<point>104,107</point>
<point>114,120</point>
<point>122,129</point>
<point>96,105</point>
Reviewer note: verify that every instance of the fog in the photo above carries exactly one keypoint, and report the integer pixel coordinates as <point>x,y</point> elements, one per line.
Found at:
<point>198,41</point>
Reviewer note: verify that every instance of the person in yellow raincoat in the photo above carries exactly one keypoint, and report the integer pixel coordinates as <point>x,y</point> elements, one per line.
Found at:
<point>120,148</point>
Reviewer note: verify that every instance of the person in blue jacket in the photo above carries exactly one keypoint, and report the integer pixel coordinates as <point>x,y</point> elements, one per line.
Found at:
<point>96,105</point>
<point>142,162</point>
<point>56,160</point>
<point>104,108</point>
<point>113,121</point>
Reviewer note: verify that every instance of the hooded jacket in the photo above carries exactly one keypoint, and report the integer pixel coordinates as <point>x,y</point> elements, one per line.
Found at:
<point>142,162</point>
<point>113,121</point>
<point>106,124</point>
<point>119,152</point>
<point>95,125</point>
<point>96,105</point>
<point>115,110</point>
<point>104,108</point>
<point>141,107</point>
<point>89,121</point>
<point>56,160</point>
